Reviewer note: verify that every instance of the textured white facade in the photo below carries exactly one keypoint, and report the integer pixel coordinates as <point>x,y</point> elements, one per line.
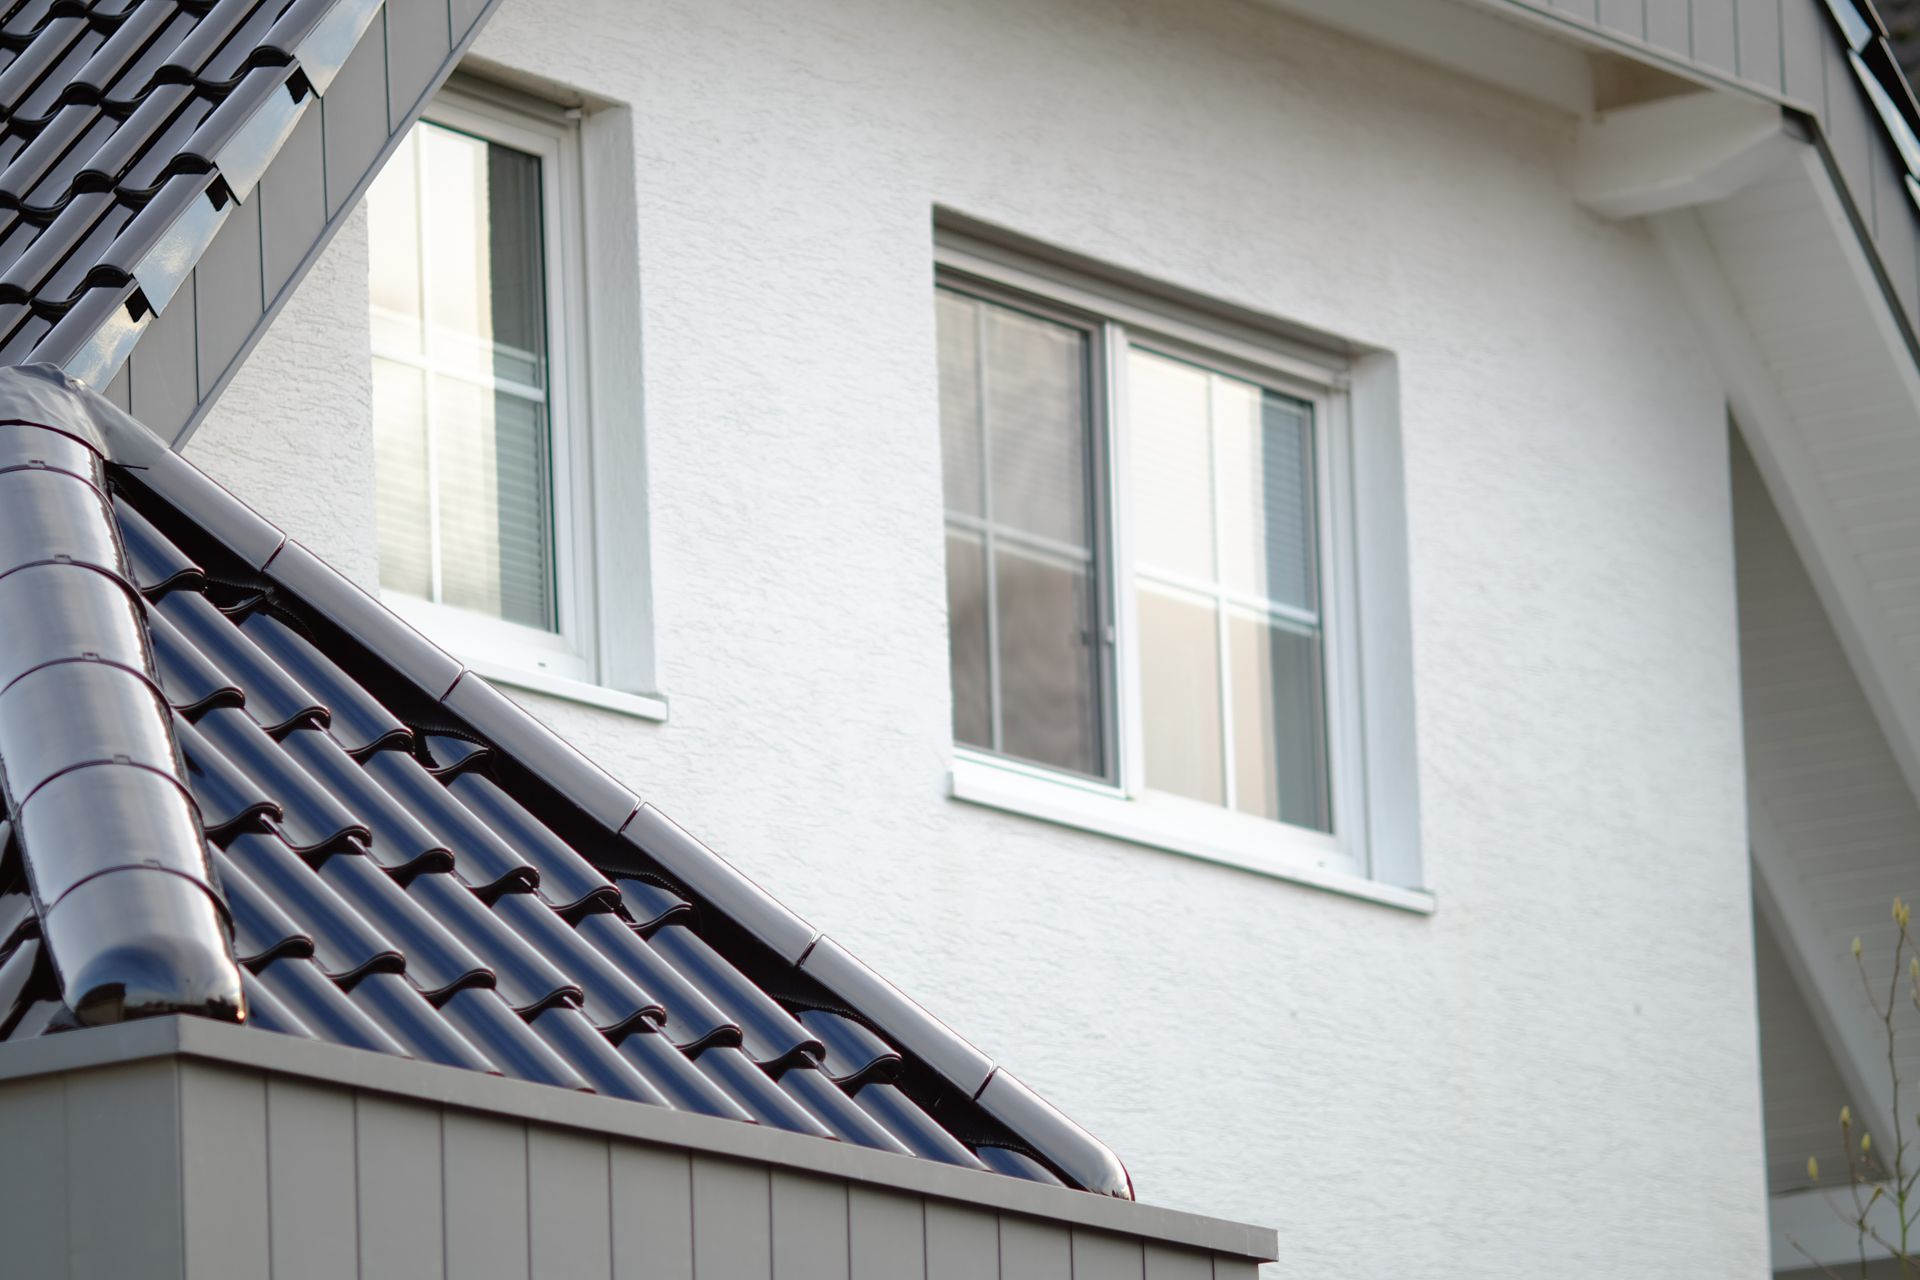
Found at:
<point>1553,1074</point>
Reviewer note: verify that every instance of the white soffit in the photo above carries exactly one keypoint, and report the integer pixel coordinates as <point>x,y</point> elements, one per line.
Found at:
<point>1823,384</point>
<point>1517,57</point>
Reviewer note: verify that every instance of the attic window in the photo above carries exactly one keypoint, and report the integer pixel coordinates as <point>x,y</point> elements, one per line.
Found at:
<point>481,521</point>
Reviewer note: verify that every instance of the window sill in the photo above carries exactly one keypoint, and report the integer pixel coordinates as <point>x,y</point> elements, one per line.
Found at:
<point>641,706</point>
<point>1178,826</point>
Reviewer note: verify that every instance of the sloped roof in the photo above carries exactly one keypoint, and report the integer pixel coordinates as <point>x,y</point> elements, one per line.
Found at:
<point>129,130</point>
<point>207,734</point>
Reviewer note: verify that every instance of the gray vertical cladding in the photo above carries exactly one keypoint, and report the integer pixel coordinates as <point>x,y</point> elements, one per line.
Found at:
<point>1787,49</point>
<point>172,1168</point>
<point>181,363</point>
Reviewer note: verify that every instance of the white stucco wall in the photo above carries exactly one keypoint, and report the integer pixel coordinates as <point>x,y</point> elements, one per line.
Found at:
<point>1556,1072</point>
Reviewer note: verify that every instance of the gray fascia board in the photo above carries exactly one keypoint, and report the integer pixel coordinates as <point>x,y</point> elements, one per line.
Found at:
<point>431,1084</point>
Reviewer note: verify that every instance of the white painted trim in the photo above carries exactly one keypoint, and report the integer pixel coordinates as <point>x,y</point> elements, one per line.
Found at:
<point>1675,153</point>
<point>1773,435</point>
<point>1176,825</point>
<point>1829,987</point>
<point>1815,1220</point>
<point>1522,61</point>
<point>639,705</point>
<point>1364,607</point>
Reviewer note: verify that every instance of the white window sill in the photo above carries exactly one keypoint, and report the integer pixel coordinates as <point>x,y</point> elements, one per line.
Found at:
<point>639,705</point>
<point>1174,825</point>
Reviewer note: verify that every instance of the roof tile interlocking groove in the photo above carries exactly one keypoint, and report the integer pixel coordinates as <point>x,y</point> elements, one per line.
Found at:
<point>409,863</point>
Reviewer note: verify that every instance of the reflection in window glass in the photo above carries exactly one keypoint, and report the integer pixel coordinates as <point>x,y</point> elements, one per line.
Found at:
<point>1022,598</point>
<point>461,432</point>
<point>1226,553</point>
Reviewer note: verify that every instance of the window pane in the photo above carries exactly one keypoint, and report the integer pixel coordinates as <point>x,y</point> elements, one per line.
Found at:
<point>1279,751</point>
<point>1047,709</point>
<point>458,291</point>
<point>393,250</point>
<point>1022,594</point>
<point>1266,494</point>
<point>967,636</point>
<point>401,510</point>
<point>1036,420</point>
<point>490,451</point>
<point>1167,422</point>
<point>1180,694</point>
<point>956,321</point>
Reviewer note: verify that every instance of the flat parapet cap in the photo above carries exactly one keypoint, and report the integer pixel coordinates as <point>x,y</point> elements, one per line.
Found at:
<point>430,1084</point>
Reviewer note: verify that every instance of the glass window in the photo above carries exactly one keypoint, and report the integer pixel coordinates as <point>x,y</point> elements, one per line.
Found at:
<point>463,454</point>
<point>1225,557</point>
<point>1222,531</point>
<point>1023,593</point>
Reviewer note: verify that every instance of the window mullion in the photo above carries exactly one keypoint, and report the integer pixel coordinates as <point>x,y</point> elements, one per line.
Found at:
<point>1132,731</point>
<point>987,548</point>
<point>1228,786</point>
<point>427,414</point>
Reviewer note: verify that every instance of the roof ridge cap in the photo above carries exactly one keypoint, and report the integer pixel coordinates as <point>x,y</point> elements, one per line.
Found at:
<point>118,865</point>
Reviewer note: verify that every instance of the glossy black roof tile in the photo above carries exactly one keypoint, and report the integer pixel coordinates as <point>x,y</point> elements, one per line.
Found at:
<point>400,868</point>
<point>129,131</point>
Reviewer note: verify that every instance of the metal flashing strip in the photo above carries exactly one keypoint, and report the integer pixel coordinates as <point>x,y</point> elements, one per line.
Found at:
<point>429,1084</point>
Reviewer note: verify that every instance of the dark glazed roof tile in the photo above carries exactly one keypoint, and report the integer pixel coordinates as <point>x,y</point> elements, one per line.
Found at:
<point>344,943</point>
<point>406,1015</point>
<point>188,677</point>
<point>582,1046</point>
<point>854,1055</point>
<point>499,1032</point>
<point>307,994</point>
<point>397,870</point>
<point>274,699</point>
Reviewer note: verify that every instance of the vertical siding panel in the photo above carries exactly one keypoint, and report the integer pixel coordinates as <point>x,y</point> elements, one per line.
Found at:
<point>887,1235</point>
<point>569,1230</point>
<point>123,1170</point>
<point>164,371</point>
<point>228,299</point>
<point>120,390</point>
<point>1165,1262</point>
<point>417,46</point>
<point>1577,9</point>
<point>354,114</point>
<point>1893,215</point>
<point>33,1177</point>
<point>963,1243</point>
<point>1803,46</point>
<point>397,1158</point>
<point>732,1210</point>
<point>1034,1250</point>
<point>293,203</point>
<point>1099,1256</point>
<point>1667,27</point>
<point>465,13</point>
<point>1850,131</point>
<point>223,1138</point>
<point>1628,17</point>
<point>484,1170</point>
<point>1234,1269</point>
<point>809,1228</point>
<point>1713,35</point>
<point>310,1180</point>
<point>652,1213</point>
<point>1758,24</point>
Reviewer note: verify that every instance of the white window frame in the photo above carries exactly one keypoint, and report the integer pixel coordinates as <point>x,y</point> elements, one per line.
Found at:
<point>555,661</point>
<point>1122,319</point>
